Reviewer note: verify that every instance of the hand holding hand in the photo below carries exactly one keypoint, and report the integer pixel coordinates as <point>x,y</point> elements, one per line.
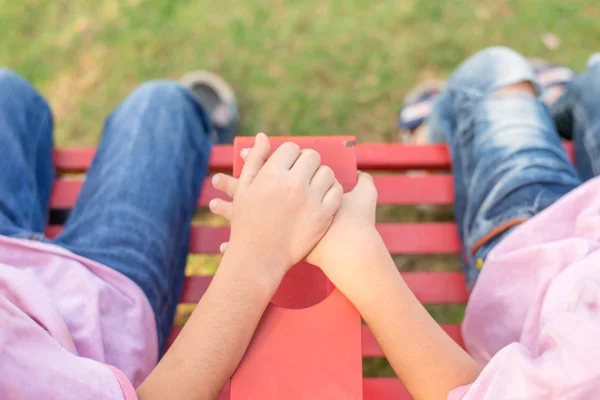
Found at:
<point>282,205</point>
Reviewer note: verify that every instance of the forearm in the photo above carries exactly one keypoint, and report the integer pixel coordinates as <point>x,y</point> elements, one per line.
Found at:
<point>213,341</point>
<point>425,358</point>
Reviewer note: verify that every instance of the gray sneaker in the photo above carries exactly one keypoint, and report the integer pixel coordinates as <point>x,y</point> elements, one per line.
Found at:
<point>218,99</point>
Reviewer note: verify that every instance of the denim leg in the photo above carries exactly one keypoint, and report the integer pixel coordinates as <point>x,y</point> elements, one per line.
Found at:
<point>584,98</point>
<point>139,197</point>
<point>507,160</point>
<point>26,168</point>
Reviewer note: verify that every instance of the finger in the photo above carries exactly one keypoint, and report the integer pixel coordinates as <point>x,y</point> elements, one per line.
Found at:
<point>365,188</point>
<point>221,208</point>
<point>225,183</point>
<point>285,156</point>
<point>333,198</point>
<point>255,159</point>
<point>365,182</point>
<point>322,181</point>
<point>307,164</point>
<point>223,247</point>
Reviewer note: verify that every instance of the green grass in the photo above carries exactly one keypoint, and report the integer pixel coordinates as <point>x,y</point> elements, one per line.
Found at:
<point>312,67</point>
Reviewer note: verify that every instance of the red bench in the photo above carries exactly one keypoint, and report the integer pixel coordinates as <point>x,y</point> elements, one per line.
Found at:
<point>262,373</point>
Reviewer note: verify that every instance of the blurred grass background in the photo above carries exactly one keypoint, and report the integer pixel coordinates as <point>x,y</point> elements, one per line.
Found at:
<point>311,67</point>
<point>300,67</point>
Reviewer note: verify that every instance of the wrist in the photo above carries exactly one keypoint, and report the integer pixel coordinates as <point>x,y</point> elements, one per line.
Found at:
<point>265,270</point>
<point>352,246</point>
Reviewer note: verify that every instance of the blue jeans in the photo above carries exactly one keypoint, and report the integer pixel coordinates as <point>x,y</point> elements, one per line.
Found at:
<point>139,197</point>
<point>508,161</point>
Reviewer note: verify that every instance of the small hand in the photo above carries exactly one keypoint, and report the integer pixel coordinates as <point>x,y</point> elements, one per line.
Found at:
<point>282,205</point>
<point>353,224</point>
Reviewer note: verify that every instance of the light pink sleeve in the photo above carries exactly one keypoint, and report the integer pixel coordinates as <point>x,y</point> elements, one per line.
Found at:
<point>458,393</point>
<point>126,386</point>
<point>34,365</point>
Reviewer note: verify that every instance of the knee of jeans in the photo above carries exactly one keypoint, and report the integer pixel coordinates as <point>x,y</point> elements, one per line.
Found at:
<point>492,69</point>
<point>19,89</point>
<point>166,91</point>
<point>166,94</point>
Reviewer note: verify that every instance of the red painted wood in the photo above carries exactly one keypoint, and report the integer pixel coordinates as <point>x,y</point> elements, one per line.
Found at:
<point>309,353</point>
<point>384,389</point>
<point>373,389</point>
<point>79,159</point>
<point>392,189</point>
<point>429,287</point>
<point>382,156</point>
<point>66,190</point>
<point>400,238</point>
<point>420,188</point>
<point>303,349</point>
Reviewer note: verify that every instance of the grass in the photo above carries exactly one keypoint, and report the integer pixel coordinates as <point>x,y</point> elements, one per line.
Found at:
<point>311,67</point>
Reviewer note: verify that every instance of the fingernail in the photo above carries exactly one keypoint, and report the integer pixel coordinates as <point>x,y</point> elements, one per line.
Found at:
<point>244,153</point>
<point>212,204</point>
<point>215,179</point>
<point>223,247</point>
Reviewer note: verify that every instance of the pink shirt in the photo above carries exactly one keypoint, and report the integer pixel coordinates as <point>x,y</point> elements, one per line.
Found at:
<point>533,318</point>
<point>70,328</point>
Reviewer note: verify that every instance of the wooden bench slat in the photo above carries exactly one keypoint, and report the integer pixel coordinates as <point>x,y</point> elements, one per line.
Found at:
<point>400,238</point>
<point>428,287</point>
<point>79,159</point>
<point>370,347</point>
<point>381,156</point>
<point>66,190</point>
<point>392,190</point>
<point>369,157</point>
<point>435,189</point>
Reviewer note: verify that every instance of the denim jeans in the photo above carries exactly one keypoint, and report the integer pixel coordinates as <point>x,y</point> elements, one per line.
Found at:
<point>508,161</point>
<point>139,197</point>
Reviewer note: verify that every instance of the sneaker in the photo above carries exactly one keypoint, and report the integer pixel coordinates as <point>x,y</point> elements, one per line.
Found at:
<point>218,99</point>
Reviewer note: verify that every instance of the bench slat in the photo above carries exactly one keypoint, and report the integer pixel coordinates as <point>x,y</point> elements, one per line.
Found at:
<point>79,159</point>
<point>369,157</point>
<point>382,156</point>
<point>400,238</point>
<point>370,347</point>
<point>428,287</point>
<point>391,189</point>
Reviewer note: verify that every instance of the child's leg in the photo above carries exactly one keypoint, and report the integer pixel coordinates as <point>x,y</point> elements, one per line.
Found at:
<point>508,162</point>
<point>584,95</point>
<point>26,168</point>
<point>139,198</point>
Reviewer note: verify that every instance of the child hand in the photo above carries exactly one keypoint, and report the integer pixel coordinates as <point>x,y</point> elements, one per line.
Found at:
<point>282,205</point>
<point>351,232</point>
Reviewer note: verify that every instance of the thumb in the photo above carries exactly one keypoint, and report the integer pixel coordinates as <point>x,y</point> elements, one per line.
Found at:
<point>255,159</point>
<point>365,189</point>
